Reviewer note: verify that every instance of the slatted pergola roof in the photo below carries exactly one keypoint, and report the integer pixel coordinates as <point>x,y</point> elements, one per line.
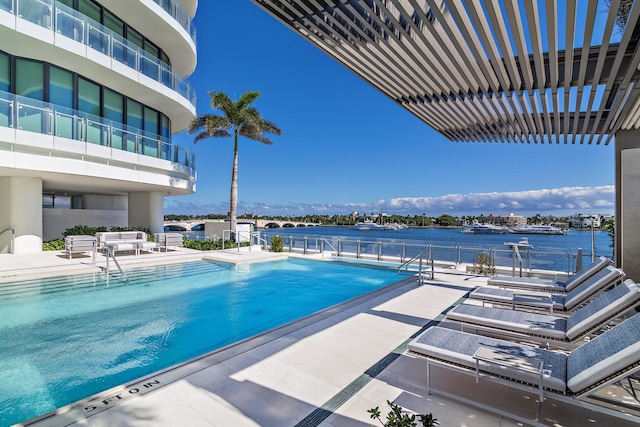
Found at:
<point>488,70</point>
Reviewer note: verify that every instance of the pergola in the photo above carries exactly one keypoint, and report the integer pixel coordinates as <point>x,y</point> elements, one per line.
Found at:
<point>534,71</point>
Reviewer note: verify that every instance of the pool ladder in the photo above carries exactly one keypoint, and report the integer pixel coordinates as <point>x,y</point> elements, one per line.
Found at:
<point>110,253</point>
<point>425,266</point>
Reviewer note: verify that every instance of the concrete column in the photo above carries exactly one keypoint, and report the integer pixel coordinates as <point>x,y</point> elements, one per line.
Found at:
<point>21,209</point>
<point>627,240</point>
<point>146,209</point>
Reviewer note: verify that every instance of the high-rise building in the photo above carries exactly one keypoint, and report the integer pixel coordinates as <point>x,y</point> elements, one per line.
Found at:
<point>91,92</point>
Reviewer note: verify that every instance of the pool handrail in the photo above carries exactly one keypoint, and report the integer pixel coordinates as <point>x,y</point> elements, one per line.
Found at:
<point>13,237</point>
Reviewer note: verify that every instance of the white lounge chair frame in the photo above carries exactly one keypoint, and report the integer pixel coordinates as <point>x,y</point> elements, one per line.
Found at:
<point>547,285</point>
<point>80,243</point>
<point>565,302</point>
<point>167,240</point>
<point>531,327</point>
<point>619,361</point>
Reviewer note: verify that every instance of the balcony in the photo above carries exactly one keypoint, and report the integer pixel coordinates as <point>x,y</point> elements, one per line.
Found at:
<point>77,27</point>
<point>178,13</point>
<point>128,143</point>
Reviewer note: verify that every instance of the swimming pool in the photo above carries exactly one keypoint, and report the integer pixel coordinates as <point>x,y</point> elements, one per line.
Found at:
<point>64,339</point>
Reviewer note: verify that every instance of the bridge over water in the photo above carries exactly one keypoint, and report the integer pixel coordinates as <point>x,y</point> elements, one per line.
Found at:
<point>198,224</point>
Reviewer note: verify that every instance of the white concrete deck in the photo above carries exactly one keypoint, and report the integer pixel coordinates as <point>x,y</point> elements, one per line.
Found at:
<point>327,369</point>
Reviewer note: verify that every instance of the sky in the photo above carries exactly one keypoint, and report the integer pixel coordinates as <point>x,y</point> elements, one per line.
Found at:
<point>347,147</point>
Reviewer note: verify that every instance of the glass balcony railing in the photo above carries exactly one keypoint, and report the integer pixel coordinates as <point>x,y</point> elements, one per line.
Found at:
<point>178,13</point>
<point>31,115</point>
<point>76,26</point>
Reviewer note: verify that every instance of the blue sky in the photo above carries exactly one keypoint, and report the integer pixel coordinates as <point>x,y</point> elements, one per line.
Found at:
<point>347,147</point>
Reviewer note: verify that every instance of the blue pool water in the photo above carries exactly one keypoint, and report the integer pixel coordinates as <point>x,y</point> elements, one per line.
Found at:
<point>64,340</point>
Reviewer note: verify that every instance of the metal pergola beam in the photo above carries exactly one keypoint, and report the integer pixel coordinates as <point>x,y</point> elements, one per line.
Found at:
<point>497,70</point>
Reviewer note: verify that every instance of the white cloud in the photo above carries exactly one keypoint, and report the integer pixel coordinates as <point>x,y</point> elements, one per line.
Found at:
<point>556,201</point>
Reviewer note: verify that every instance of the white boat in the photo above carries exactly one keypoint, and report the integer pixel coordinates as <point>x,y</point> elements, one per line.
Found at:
<point>394,226</point>
<point>477,228</point>
<point>522,244</point>
<point>368,225</point>
<point>536,229</point>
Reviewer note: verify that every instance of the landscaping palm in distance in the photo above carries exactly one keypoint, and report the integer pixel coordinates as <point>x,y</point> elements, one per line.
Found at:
<point>237,118</point>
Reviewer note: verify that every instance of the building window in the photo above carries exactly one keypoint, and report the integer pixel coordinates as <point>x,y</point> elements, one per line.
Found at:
<point>134,119</point>
<point>113,23</point>
<point>61,94</point>
<point>5,86</point>
<point>89,102</point>
<point>61,87</point>
<point>5,72</point>
<point>29,79</point>
<point>88,97</point>
<point>114,110</point>
<point>56,201</point>
<point>90,9</point>
<point>30,84</point>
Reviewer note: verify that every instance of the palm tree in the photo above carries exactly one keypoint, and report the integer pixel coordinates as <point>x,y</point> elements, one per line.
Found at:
<point>239,118</point>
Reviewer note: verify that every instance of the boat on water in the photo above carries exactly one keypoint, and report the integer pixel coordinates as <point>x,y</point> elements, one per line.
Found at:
<point>537,229</point>
<point>522,244</point>
<point>484,229</point>
<point>368,225</point>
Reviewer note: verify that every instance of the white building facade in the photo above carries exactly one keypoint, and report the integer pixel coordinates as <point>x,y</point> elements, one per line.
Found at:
<point>91,93</point>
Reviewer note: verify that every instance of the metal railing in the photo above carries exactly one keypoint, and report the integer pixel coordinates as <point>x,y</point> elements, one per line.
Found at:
<point>443,256</point>
<point>425,265</point>
<point>110,254</point>
<point>178,13</point>
<point>29,114</point>
<point>70,23</point>
<point>13,238</point>
<point>251,237</point>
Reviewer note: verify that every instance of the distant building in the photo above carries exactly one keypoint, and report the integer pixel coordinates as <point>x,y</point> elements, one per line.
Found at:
<point>510,220</point>
<point>585,221</point>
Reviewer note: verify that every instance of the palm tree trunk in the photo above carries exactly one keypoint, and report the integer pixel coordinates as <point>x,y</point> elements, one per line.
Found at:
<point>233,199</point>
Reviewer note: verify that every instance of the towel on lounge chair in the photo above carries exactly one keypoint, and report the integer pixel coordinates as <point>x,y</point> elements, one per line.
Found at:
<point>593,316</point>
<point>532,283</point>
<point>565,302</point>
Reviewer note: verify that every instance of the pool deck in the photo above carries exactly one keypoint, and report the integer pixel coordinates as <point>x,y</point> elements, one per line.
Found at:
<point>326,370</point>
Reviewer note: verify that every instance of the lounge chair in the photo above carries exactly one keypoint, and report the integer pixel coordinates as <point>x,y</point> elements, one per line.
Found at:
<point>546,328</point>
<point>547,285</point>
<point>606,359</point>
<point>83,243</point>
<point>553,301</point>
<point>166,240</point>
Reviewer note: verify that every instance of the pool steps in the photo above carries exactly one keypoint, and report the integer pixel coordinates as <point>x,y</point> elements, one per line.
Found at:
<point>88,281</point>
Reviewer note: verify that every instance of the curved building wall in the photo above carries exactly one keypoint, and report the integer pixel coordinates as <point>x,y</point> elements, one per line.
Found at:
<point>88,104</point>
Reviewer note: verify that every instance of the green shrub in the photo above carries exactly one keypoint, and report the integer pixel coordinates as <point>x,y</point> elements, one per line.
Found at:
<point>83,230</point>
<point>211,245</point>
<point>203,245</point>
<point>53,245</point>
<point>397,418</point>
<point>277,244</point>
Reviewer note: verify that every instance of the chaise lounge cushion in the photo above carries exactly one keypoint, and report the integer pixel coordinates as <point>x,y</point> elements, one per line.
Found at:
<point>566,301</point>
<point>592,316</point>
<point>458,347</point>
<point>510,321</point>
<point>603,308</point>
<point>532,283</point>
<point>605,355</point>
